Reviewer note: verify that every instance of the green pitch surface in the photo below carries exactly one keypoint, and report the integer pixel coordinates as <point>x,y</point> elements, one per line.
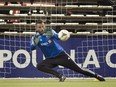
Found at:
<point>56,83</point>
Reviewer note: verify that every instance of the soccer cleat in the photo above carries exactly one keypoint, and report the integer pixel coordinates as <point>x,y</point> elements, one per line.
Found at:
<point>62,78</point>
<point>100,78</point>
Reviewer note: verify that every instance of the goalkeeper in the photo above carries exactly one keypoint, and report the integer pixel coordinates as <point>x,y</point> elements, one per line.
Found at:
<point>55,55</point>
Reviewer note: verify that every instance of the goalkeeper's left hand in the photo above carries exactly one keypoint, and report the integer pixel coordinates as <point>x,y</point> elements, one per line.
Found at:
<point>48,32</point>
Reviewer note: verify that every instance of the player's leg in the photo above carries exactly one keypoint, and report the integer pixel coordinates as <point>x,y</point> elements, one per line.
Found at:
<point>46,67</point>
<point>71,65</point>
<point>66,61</point>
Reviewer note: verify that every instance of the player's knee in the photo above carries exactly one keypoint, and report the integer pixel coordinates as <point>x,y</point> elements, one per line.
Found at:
<point>39,66</point>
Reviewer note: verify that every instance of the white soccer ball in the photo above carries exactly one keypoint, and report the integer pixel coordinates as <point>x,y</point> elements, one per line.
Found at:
<point>64,35</point>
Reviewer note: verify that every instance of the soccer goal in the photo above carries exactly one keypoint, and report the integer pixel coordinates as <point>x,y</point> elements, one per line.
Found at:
<point>92,44</point>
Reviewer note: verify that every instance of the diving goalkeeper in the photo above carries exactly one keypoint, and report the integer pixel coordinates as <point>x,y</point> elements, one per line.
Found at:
<point>55,55</point>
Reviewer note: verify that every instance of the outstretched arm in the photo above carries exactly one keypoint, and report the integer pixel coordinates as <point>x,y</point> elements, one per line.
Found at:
<point>55,35</point>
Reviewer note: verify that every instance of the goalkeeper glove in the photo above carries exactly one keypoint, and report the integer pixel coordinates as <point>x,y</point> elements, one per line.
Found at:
<point>48,32</point>
<point>35,39</point>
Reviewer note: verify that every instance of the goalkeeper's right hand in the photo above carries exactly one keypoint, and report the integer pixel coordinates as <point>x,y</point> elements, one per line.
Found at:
<point>35,40</point>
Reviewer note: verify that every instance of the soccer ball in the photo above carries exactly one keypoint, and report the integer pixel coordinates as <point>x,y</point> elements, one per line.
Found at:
<point>64,35</point>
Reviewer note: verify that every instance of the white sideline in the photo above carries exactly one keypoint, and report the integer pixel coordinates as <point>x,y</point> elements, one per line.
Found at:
<point>56,78</point>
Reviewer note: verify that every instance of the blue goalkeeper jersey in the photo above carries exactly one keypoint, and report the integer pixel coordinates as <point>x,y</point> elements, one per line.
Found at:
<point>48,44</point>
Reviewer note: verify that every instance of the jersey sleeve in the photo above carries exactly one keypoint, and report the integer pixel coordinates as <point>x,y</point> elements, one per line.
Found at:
<point>55,35</point>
